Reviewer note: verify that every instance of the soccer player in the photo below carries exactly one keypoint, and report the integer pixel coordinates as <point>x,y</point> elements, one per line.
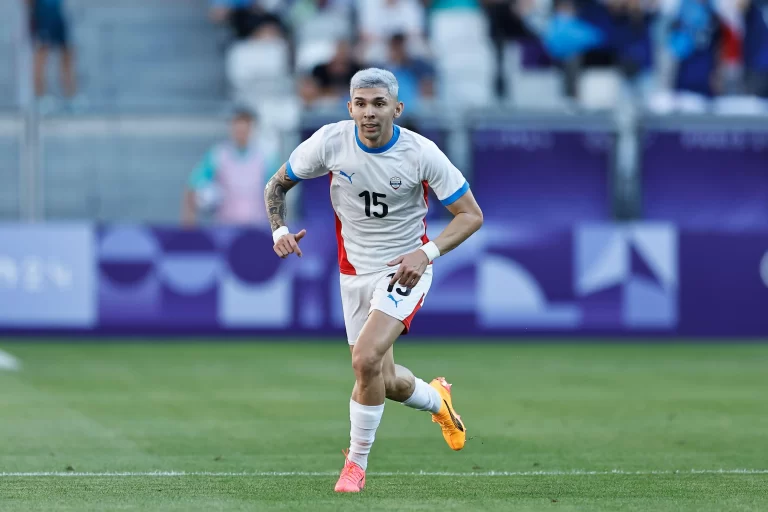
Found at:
<point>379,176</point>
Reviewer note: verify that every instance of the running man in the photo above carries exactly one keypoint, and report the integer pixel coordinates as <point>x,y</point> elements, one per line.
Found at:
<point>379,177</point>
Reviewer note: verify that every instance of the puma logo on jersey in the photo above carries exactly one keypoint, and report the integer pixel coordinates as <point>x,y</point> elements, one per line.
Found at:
<point>394,299</point>
<point>348,176</point>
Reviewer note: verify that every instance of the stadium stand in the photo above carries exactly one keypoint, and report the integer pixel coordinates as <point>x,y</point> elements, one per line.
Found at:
<point>536,88</point>
<point>144,53</point>
<point>115,169</point>
<point>465,65</point>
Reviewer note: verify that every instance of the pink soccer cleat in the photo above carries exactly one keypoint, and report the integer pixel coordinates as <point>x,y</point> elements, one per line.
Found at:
<point>352,478</point>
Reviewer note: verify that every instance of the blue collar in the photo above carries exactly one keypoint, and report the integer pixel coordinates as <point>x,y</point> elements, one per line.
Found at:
<point>385,147</point>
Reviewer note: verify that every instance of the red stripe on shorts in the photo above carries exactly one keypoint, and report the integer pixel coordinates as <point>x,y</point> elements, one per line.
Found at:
<point>407,320</point>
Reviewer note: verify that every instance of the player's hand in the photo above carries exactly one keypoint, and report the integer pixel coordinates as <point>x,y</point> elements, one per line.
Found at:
<point>412,267</point>
<point>289,244</point>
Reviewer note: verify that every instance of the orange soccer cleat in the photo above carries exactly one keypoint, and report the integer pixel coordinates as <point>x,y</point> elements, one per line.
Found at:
<point>454,431</point>
<point>352,478</point>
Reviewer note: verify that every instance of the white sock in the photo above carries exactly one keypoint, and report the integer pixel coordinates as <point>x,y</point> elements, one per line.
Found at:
<point>424,398</point>
<point>365,420</point>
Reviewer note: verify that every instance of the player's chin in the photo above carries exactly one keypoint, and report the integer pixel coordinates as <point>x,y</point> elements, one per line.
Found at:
<point>371,132</point>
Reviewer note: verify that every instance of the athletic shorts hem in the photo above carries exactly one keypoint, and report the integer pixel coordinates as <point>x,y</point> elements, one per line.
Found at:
<point>363,294</point>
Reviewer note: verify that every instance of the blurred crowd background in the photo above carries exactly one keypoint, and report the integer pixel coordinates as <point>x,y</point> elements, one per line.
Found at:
<point>118,109</point>
<point>664,54</point>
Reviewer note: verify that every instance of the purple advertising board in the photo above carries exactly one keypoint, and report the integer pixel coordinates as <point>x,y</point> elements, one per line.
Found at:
<point>541,176</point>
<point>725,284</point>
<point>47,276</point>
<point>706,179</point>
<point>594,279</point>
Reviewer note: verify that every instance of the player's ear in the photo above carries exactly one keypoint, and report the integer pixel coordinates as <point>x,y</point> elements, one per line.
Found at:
<point>399,109</point>
<point>349,107</point>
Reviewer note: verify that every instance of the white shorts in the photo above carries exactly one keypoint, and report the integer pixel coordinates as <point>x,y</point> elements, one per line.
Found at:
<point>362,294</point>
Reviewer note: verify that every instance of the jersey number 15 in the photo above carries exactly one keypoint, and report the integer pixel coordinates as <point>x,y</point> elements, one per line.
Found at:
<point>375,196</point>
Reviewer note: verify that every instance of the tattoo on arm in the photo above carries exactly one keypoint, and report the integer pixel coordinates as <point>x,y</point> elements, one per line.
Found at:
<point>274,197</point>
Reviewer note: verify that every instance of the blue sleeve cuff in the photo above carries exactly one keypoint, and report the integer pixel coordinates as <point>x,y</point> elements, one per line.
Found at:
<point>290,172</point>
<point>456,195</point>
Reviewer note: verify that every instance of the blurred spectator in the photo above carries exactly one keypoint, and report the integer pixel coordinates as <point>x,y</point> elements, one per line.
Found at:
<point>221,10</point>
<point>329,82</point>
<point>415,76</point>
<point>633,41</point>
<point>695,43</point>
<point>314,20</point>
<point>452,4</point>
<point>731,60</point>
<point>599,14</point>
<point>507,19</point>
<point>756,46</point>
<point>568,35</point>
<point>507,22</point>
<point>230,179</point>
<point>50,31</point>
<point>247,18</point>
<point>379,20</point>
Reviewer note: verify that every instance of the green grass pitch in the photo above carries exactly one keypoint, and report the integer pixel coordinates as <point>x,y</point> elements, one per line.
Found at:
<point>261,426</point>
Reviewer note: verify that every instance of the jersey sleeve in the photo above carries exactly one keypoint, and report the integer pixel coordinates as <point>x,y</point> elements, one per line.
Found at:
<point>308,160</point>
<point>441,175</point>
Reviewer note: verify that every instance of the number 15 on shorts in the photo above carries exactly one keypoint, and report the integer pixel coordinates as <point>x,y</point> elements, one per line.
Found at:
<point>398,301</point>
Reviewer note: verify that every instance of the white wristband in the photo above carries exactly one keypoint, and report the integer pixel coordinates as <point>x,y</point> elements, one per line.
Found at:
<point>431,250</point>
<point>276,234</point>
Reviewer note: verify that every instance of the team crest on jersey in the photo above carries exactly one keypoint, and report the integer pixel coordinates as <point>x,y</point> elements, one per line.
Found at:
<point>395,182</point>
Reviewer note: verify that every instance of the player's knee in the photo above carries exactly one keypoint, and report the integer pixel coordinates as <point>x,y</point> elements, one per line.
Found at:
<point>366,364</point>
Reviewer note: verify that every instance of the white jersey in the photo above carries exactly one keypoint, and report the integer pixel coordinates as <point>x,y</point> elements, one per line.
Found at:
<point>379,195</point>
